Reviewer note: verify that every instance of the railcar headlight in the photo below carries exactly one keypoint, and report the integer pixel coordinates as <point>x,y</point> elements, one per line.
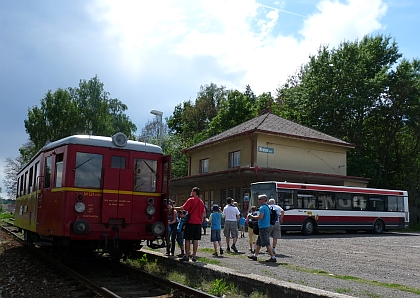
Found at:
<point>81,227</point>
<point>158,229</point>
<point>150,210</point>
<point>80,207</point>
<point>150,201</point>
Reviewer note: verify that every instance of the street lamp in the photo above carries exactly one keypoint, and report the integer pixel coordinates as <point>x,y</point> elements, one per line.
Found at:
<point>159,114</point>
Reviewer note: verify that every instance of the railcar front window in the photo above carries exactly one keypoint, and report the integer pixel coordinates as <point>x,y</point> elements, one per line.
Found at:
<point>88,170</point>
<point>145,175</point>
<point>118,162</point>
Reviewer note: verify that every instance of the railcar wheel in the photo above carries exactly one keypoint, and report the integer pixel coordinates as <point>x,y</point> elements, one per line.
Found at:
<point>116,255</point>
<point>378,226</point>
<point>308,227</point>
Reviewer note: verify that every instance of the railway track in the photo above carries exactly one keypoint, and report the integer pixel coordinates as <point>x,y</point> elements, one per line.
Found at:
<point>112,279</point>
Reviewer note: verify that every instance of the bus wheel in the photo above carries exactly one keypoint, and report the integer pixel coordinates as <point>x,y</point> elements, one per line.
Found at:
<point>378,227</point>
<point>308,227</point>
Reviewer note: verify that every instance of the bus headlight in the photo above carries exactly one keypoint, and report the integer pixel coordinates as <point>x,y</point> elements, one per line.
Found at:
<point>150,210</point>
<point>158,229</point>
<point>79,207</point>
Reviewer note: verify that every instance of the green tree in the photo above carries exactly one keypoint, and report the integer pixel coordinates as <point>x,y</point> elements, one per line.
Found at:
<point>337,91</point>
<point>81,110</point>
<point>190,120</point>
<point>234,111</point>
<point>362,93</point>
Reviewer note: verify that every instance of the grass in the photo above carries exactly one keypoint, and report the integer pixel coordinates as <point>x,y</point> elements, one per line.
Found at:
<point>394,286</point>
<point>217,287</point>
<point>6,215</point>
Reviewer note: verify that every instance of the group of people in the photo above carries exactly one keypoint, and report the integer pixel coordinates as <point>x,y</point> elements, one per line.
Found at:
<point>180,228</point>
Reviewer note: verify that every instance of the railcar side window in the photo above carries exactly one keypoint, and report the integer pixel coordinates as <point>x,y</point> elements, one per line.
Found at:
<point>88,170</point>
<point>118,162</point>
<point>145,175</point>
<point>31,178</point>
<point>47,172</point>
<point>59,170</point>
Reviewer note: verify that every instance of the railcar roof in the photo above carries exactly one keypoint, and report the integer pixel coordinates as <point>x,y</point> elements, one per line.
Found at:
<point>107,142</point>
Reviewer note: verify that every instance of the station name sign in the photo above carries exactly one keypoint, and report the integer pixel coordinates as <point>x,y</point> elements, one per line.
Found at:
<point>265,149</point>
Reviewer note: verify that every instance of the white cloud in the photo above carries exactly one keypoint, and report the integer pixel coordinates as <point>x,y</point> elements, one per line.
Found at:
<point>337,21</point>
<point>237,36</point>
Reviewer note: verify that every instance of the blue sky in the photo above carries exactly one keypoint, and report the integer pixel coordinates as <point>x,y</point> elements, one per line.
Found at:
<point>157,54</point>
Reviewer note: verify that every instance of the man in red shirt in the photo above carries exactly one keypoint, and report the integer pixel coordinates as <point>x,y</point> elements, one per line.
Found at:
<point>195,207</point>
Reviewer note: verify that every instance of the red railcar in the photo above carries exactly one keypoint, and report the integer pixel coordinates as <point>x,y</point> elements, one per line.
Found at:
<point>94,193</point>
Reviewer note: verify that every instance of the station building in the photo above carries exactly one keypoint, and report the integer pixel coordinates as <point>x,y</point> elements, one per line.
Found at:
<point>265,148</point>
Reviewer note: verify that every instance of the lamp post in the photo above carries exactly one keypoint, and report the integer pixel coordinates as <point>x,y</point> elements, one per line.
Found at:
<point>159,114</point>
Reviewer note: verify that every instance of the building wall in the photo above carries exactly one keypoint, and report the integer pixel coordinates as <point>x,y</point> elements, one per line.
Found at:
<point>218,155</point>
<point>300,155</point>
<point>289,154</point>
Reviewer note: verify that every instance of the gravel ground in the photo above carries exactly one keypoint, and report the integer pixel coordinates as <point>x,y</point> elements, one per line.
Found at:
<point>388,258</point>
<point>22,275</point>
<point>391,258</point>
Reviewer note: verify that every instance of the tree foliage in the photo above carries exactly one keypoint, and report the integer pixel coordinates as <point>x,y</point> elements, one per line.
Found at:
<point>10,179</point>
<point>81,110</point>
<point>363,93</point>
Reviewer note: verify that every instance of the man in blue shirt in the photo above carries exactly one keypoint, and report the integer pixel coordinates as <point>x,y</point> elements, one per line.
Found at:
<point>264,230</point>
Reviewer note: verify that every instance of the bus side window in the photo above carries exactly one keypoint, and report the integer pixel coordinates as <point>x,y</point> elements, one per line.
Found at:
<point>359,202</point>
<point>392,203</point>
<point>285,200</point>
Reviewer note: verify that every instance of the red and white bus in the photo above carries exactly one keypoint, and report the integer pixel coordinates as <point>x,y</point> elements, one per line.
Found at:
<point>311,207</point>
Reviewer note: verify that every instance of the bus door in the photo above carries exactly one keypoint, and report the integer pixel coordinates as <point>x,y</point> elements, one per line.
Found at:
<point>117,191</point>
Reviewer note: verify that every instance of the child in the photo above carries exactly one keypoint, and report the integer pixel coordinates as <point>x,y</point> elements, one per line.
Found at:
<point>215,221</point>
<point>242,226</point>
<point>180,231</point>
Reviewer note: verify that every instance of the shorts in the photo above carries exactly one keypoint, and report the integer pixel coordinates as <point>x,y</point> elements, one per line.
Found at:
<point>275,231</point>
<point>252,237</point>
<point>242,228</point>
<point>192,232</point>
<point>231,229</point>
<point>215,236</point>
<point>263,238</point>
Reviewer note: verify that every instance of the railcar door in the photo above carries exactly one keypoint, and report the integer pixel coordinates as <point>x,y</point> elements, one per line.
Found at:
<point>117,190</point>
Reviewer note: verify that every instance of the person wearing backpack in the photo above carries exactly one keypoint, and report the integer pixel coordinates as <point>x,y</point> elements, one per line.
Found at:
<point>275,230</point>
<point>264,229</point>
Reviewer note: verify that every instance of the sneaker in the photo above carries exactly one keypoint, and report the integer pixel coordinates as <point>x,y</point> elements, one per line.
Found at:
<point>194,259</point>
<point>252,257</point>
<point>167,253</point>
<point>180,255</point>
<point>184,259</point>
<point>234,248</point>
<point>228,249</point>
<point>271,260</point>
<point>215,254</point>
<point>221,251</point>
